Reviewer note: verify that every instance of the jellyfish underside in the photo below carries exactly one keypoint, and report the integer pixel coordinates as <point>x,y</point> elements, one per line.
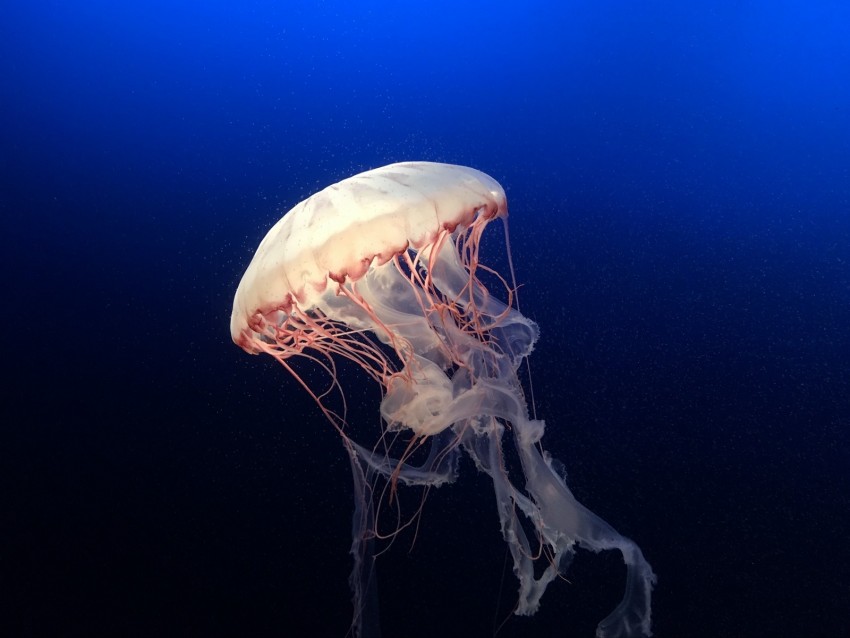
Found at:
<point>446,353</point>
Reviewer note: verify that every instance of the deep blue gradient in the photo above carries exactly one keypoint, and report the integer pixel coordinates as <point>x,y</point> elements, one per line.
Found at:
<point>678,179</point>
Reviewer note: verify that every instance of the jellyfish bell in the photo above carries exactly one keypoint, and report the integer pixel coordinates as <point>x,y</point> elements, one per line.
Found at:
<point>343,231</point>
<point>382,269</point>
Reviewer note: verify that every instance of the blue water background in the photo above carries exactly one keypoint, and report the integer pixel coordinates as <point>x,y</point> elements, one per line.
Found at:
<point>679,194</point>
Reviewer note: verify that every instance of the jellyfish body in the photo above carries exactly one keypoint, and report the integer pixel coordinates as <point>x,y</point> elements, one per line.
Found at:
<point>383,269</point>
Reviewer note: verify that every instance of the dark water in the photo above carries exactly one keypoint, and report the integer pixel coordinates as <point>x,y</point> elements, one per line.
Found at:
<point>680,218</point>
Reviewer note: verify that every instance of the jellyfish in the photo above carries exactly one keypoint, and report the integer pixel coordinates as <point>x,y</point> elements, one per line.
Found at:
<point>382,269</point>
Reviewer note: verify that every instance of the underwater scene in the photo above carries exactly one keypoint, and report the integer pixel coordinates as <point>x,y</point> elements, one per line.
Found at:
<point>426,319</point>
